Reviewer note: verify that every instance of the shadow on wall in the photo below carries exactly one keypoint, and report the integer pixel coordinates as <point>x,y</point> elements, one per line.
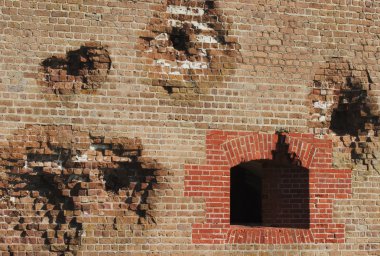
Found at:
<point>271,193</point>
<point>190,46</point>
<point>341,103</point>
<point>78,71</point>
<point>59,175</point>
<point>340,100</point>
<point>353,115</point>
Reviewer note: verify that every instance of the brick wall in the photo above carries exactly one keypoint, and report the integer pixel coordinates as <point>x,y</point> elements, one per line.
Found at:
<point>324,185</point>
<point>120,121</point>
<point>286,197</point>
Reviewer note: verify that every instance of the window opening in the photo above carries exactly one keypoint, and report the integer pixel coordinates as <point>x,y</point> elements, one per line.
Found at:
<point>271,194</point>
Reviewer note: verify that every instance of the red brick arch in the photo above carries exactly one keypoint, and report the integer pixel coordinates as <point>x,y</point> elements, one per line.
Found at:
<point>211,181</point>
<point>260,146</point>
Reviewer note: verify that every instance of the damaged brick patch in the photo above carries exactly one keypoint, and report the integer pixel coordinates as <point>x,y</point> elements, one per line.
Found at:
<point>189,46</point>
<point>61,186</point>
<point>340,99</point>
<point>342,106</point>
<point>78,71</point>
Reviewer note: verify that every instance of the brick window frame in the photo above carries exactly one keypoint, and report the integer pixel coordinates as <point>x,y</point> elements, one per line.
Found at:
<point>211,181</point>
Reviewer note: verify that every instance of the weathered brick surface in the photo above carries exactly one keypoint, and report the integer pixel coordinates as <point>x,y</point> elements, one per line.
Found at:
<point>323,186</point>
<point>79,71</point>
<point>189,48</point>
<point>62,187</point>
<point>175,74</point>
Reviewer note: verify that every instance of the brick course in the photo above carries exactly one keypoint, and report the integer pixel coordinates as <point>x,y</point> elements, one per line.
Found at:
<point>244,70</point>
<point>212,182</point>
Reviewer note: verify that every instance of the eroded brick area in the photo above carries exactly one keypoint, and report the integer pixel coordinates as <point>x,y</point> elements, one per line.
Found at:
<point>189,47</point>
<point>342,106</point>
<point>340,99</point>
<point>62,188</point>
<point>79,71</point>
<point>205,85</point>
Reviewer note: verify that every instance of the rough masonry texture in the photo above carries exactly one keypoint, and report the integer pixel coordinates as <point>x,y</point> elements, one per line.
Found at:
<point>57,179</point>
<point>80,70</point>
<point>131,127</point>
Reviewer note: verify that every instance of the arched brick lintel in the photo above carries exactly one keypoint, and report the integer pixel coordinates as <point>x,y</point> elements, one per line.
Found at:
<point>260,146</point>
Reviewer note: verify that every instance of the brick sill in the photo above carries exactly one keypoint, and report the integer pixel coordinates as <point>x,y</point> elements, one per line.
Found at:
<point>239,234</point>
<point>237,226</point>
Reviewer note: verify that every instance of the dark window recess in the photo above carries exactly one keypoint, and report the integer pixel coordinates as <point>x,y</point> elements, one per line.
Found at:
<point>270,193</point>
<point>245,197</point>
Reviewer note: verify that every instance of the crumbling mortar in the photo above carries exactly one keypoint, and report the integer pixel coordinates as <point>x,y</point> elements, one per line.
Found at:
<point>79,71</point>
<point>341,95</point>
<point>46,172</point>
<point>194,48</point>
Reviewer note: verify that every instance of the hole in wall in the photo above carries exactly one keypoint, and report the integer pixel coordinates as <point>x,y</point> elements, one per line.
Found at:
<point>271,193</point>
<point>169,89</point>
<point>179,39</point>
<point>343,103</point>
<point>186,43</point>
<point>352,115</point>
<point>340,100</point>
<point>82,69</point>
<point>210,4</point>
<point>268,195</point>
<point>111,168</point>
<point>246,194</point>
